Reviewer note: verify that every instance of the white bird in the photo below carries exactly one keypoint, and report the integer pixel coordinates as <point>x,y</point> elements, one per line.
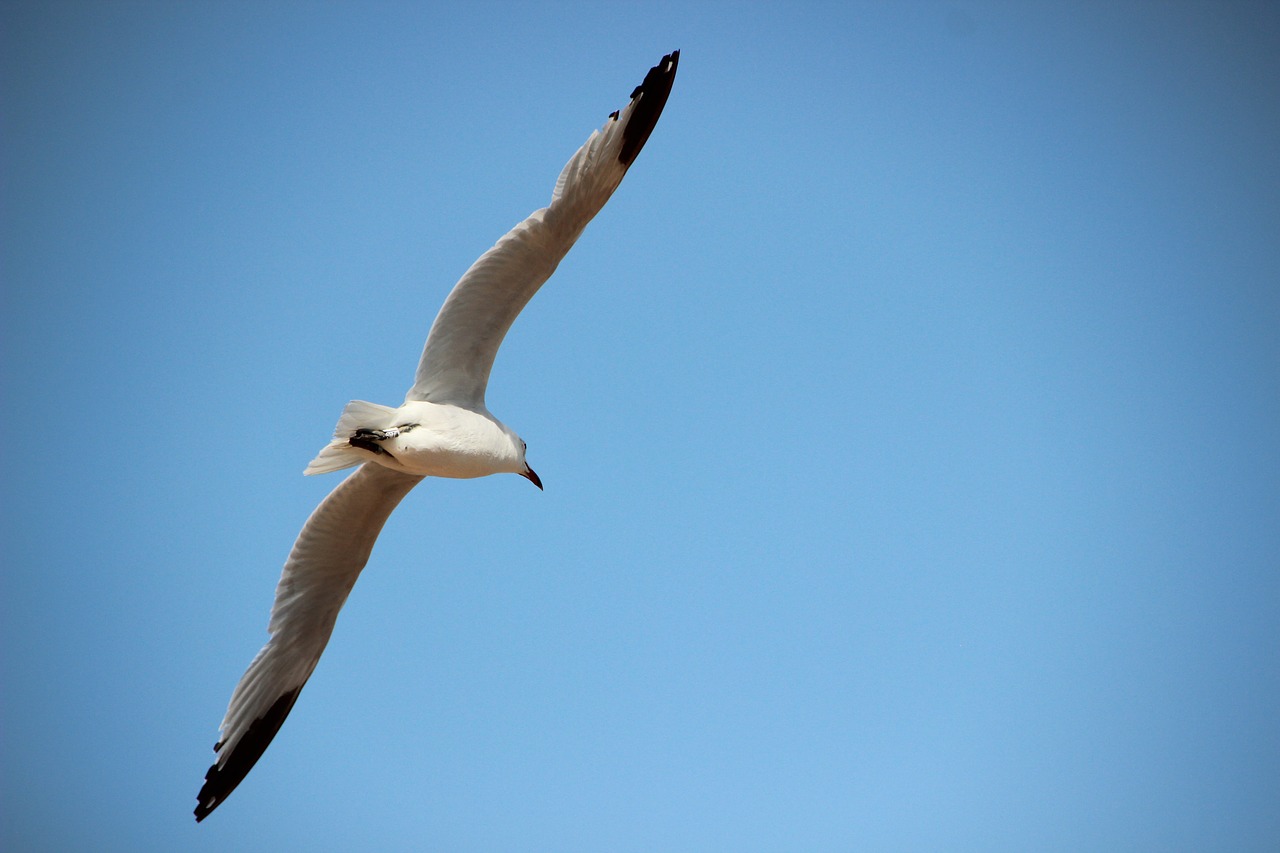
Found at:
<point>442,430</point>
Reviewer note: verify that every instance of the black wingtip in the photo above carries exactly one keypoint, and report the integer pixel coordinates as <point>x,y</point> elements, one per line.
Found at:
<point>653,94</point>
<point>219,782</point>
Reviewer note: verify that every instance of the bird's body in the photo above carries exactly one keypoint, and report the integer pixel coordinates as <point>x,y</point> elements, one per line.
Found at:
<point>443,429</point>
<point>423,438</point>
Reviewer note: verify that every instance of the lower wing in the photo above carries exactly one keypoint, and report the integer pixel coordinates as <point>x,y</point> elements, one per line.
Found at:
<point>326,559</point>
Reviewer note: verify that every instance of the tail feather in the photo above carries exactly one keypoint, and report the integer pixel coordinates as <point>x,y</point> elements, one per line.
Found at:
<point>339,453</point>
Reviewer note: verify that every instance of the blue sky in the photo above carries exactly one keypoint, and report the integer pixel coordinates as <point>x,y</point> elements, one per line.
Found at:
<point>910,423</point>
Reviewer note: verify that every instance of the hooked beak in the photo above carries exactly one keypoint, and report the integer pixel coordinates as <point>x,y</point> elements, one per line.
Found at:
<point>528,474</point>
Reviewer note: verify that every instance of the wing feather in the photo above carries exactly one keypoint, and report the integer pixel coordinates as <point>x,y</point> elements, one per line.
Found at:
<point>326,559</point>
<point>466,334</point>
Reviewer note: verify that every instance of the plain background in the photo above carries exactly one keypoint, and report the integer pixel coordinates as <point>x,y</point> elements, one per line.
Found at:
<point>910,422</point>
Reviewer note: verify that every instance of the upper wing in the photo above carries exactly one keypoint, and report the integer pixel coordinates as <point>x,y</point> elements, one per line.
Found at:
<point>325,561</point>
<point>484,303</point>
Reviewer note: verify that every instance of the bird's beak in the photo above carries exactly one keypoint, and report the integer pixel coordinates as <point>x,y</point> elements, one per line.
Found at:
<point>529,474</point>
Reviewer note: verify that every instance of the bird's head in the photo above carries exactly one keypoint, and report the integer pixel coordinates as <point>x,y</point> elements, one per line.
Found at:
<point>524,470</point>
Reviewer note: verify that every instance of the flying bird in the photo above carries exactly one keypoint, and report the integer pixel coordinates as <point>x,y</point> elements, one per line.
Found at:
<point>443,429</point>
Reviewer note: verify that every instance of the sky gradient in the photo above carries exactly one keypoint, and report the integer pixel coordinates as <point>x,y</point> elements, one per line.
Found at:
<point>909,421</point>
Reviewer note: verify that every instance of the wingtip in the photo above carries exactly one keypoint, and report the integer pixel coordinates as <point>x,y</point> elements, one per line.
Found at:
<point>652,94</point>
<point>220,781</point>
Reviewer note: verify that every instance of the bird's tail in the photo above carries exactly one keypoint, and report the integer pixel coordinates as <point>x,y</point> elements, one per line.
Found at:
<point>339,453</point>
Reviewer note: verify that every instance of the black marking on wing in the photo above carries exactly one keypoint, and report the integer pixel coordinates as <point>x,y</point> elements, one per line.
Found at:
<point>219,782</point>
<point>653,94</point>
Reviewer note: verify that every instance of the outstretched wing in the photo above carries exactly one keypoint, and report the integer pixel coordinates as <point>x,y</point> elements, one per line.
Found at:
<point>484,303</point>
<point>326,559</point>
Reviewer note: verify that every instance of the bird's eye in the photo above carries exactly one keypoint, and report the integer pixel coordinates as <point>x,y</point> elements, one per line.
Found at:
<point>524,445</point>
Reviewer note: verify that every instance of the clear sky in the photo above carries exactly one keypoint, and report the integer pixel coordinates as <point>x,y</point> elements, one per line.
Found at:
<point>909,420</point>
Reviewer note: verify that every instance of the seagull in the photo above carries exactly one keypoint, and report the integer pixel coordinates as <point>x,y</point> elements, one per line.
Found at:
<point>443,429</point>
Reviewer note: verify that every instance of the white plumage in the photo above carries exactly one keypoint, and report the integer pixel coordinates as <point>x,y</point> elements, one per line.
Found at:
<point>443,429</point>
